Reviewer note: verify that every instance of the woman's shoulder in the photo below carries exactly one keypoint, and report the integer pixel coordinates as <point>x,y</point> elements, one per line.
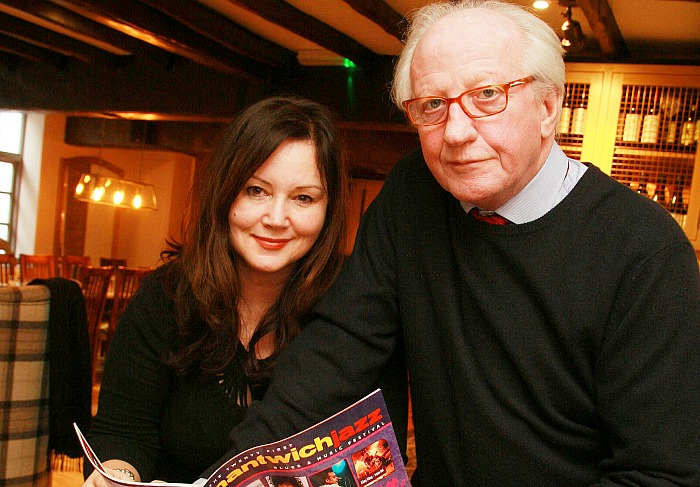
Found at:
<point>157,288</point>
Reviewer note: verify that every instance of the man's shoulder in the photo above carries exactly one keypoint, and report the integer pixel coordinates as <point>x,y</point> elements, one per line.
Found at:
<point>608,203</point>
<point>411,173</point>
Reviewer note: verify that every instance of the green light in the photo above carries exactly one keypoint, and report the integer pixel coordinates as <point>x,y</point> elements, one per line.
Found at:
<point>348,64</point>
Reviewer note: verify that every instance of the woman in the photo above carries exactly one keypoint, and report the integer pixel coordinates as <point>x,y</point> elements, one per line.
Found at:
<point>199,339</point>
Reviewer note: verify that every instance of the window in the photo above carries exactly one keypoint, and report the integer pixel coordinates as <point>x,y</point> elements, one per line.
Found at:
<point>11,142</point>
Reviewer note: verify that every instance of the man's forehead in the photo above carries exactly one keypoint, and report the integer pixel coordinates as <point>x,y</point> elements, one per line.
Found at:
<point>471,31</point>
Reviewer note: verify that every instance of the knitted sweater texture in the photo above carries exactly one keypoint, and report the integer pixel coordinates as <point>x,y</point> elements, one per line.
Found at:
<point>564,351</point>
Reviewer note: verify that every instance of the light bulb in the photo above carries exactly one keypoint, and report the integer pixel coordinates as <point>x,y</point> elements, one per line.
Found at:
<point>98,193</point>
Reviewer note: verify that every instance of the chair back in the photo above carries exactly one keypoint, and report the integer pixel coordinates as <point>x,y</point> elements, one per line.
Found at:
<point>127,282</point>
<point>24,386</point>
<point>70,265</point>
<point>94,281</point>
<point>37,267</point>
<point>112,262</point>
<point>7,269</point>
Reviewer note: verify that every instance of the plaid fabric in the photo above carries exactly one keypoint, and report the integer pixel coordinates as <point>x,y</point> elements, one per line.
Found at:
<point>24,386</point>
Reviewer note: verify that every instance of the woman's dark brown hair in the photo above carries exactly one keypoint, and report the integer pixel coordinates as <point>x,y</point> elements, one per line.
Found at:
<point>207,286</point>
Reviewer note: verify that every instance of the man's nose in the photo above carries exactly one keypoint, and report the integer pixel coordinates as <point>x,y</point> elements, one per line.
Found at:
<point>459,127</point>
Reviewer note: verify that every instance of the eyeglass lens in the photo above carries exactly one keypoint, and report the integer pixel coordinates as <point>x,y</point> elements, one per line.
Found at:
<point>479,103</point>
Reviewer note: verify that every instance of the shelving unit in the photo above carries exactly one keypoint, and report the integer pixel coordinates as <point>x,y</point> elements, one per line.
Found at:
<point>647,134</point>
<point>574,116</point>
<point>656,143</point>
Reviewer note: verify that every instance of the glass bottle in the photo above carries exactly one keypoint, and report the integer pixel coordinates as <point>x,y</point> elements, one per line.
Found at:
<point>565,117</point>
<point>676,205</point>
<point>688,127</point>
<point>642,188</point>
<point>632,119</point>
<point>660,191</point>
<point>578,118</point>
<point>650,126</point>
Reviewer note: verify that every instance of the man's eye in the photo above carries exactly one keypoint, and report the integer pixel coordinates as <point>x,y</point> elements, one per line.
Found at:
<point>433,104</point>
<point>487,93</point>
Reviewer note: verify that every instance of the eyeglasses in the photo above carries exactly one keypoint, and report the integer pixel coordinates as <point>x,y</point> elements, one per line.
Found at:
<point>476,103</point>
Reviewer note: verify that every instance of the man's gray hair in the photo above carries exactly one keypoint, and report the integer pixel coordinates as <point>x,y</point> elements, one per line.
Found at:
<point>541,48</point>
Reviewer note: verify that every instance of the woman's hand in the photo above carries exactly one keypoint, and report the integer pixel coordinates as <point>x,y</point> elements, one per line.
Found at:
<point>114,468</point>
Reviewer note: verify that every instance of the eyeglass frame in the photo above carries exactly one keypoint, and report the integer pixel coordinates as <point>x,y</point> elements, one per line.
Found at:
<point>458,99</point>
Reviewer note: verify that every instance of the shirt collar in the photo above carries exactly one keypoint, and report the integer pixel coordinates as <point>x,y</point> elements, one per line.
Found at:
<point>549,186</point>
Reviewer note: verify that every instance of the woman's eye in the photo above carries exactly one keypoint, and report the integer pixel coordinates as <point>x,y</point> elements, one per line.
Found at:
<point>305,198</point>
<point>255,191</point>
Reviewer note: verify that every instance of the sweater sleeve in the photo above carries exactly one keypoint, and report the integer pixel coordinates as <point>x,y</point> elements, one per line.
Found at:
<point>647,374</point>
<point>136,383</point>
<point>339,356</point>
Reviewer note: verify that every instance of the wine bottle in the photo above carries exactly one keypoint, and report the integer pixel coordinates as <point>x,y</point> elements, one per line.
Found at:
<point>578,119</point>
<point>565,117</point>
<point>632,120</point>
<point>671,129</point>
<point>676,205</point>
<point>688,127</point>
<point>642,188</point>
<point>650,126</point>
<point>660,191</point>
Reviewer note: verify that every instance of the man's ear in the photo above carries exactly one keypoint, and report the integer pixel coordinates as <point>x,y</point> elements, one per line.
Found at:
<point>550,113</point>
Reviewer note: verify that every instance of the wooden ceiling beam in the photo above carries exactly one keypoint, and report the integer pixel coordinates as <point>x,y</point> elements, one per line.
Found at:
<point>222,30</point>
<point>145,24</point>
<point>19,49</point>
<point>285,15</point>
<point>381,14</point>
<point>64,21</point>
<point>50,40</point>
<point>604,27</point>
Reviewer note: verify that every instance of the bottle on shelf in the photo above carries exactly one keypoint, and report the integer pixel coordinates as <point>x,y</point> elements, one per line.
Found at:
<point>578,118</point>
<point>642,188</point>
<point>652,119</point>
<point>670,107</point>
<point>671,130</point>
<point>689,124</point>
<point>660,191</point>
<point>632,117</point>
<point>565,117</point>
<point>676,205</point>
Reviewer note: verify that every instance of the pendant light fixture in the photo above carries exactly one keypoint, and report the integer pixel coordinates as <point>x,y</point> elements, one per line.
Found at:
<point>573,39</point>
<point>94,187</point>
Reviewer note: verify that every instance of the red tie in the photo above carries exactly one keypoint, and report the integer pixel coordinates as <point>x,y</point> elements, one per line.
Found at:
<point>491,218</point>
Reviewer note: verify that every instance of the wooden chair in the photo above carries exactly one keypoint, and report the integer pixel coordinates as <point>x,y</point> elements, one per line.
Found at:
<point>70,265</point>
<point>94,282</point>
<point>127,282</point>
<point>37,267</point>
<point>7,269</point>
<point>112,262</point>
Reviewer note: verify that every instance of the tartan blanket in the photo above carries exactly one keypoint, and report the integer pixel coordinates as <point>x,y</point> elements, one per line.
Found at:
<point>24,386</point>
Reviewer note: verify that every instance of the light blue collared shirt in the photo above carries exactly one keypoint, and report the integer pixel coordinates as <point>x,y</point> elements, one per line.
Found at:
<point>551,184</point>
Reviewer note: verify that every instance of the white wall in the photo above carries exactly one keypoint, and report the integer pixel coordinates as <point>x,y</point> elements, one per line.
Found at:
<point>30,185</point>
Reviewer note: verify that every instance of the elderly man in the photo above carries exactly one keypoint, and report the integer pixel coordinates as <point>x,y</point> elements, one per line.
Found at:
<point>549,314</point>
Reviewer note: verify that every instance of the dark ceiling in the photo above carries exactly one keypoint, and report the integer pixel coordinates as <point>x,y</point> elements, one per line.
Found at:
<point>170,73</point>
<point>182,59</point>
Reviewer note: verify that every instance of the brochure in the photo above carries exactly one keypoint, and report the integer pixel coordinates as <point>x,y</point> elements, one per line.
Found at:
<point>353,448</point>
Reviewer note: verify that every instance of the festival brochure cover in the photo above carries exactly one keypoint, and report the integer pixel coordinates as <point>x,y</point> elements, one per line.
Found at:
<point>356,447</point>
